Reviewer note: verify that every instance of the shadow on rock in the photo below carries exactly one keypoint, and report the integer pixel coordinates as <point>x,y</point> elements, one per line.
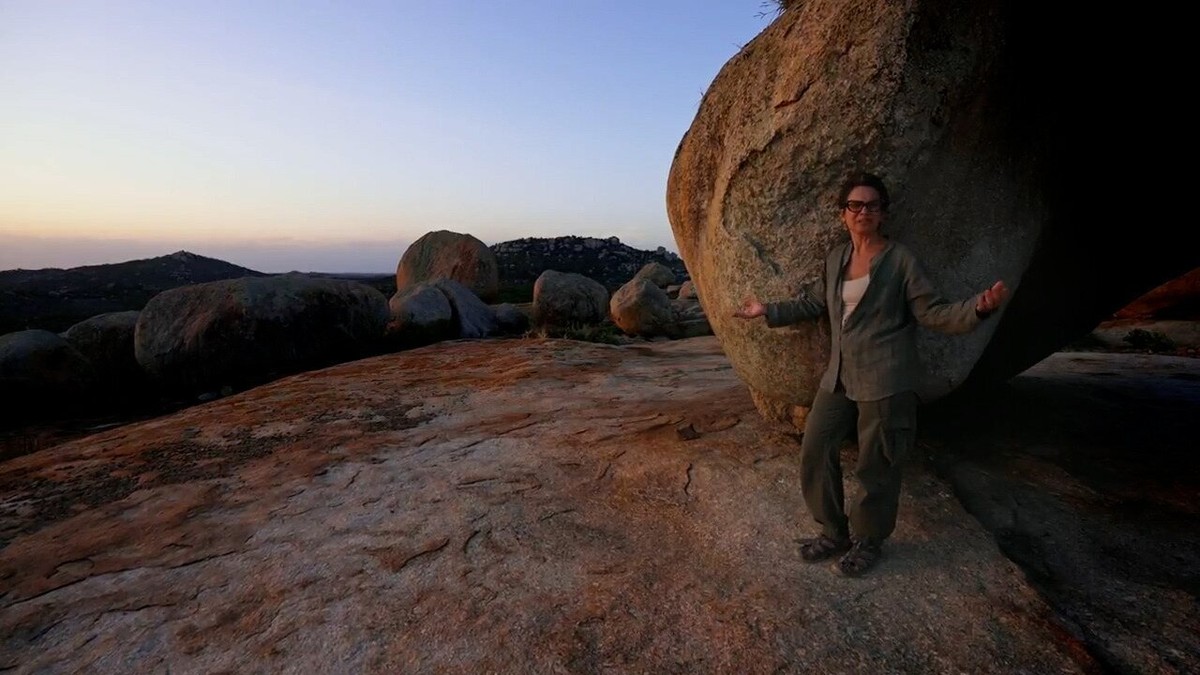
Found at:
<point>1084,469</point>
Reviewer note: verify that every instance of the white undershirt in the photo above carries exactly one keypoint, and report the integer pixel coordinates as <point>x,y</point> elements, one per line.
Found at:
<point>852,293</point>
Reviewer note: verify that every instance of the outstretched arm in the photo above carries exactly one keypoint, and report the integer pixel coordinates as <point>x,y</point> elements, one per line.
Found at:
<point>991,299</point>
<point>750,309</point>
<point>809,304</point>
<point>937,313</point>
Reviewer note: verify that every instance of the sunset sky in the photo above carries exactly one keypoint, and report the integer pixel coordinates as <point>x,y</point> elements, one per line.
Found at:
<point>326,136</point>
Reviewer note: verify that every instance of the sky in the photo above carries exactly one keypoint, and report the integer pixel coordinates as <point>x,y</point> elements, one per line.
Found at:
<point>328,136</point>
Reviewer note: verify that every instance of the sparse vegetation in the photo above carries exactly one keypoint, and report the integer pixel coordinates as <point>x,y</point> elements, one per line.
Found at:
<point>1149,341</point>
<point>1137,339</point>
<point>778,6</point>
<point>605,333</point>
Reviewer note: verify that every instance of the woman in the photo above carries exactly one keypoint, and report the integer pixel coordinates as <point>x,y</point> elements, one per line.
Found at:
<point>875,293</point>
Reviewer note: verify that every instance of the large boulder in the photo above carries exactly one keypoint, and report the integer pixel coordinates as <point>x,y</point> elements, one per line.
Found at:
<point>106,341</point>
<point>970,112</point>
<point>40,375</point>
<point>450,255</point>
<point>473,318</point>
<point>244,331</point>
<point>432,311</point>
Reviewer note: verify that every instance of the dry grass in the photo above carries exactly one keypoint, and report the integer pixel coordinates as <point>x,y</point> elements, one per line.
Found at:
<point>605,333</point>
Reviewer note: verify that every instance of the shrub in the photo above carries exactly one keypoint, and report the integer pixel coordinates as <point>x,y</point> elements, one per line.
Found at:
<point>778,6</point>
<point>1148,340</point>
<point>605,333</point>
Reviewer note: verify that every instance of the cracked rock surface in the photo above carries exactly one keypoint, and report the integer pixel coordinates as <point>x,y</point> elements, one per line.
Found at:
<point>486,506</point>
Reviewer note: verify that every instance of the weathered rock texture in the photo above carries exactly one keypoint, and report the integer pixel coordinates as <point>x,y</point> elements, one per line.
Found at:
<point>971,112</point>
<point>450,255</point>
<point>485,506</point>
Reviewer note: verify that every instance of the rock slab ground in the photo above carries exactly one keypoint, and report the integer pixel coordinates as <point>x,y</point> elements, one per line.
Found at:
<point>477,506</point>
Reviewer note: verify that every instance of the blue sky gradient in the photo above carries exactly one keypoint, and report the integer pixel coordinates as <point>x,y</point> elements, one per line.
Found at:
<point>322,136</point>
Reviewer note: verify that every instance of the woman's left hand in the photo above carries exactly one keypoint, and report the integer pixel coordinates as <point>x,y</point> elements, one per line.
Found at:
<point>991,299</point>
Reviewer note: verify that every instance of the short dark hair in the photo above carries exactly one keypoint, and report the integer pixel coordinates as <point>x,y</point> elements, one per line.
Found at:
<point>864,179</point>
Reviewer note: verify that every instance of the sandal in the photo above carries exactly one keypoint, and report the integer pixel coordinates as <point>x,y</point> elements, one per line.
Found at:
<point>823,548</point>
<point>861,558</point>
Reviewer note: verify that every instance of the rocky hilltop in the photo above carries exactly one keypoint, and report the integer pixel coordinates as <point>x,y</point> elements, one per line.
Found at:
<point>606,260</point>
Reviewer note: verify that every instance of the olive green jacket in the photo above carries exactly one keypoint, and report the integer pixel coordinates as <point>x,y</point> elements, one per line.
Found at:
<point>874,354</point>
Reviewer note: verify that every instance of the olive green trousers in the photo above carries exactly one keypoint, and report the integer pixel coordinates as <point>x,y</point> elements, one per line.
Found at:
<point>886,432</point>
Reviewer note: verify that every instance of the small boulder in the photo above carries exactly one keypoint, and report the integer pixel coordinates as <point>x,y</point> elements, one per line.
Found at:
<point>563,299</point>
<point>420,315</point>
<point>511,319</point>
<point>474,318</point>
<point>656,273</point>
<point>642,308</point>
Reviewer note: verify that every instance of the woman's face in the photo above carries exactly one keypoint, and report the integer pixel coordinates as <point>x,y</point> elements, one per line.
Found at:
<point>870,211</point>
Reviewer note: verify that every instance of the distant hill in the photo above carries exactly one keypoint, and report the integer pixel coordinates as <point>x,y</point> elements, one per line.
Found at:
<point>55,299</point>
<point>606,260</point>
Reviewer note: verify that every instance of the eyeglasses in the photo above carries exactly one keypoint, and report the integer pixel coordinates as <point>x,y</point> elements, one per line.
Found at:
<point>855,206</point>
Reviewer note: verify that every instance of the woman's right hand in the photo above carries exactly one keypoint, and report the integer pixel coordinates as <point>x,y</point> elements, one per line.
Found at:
<point>750,309</point>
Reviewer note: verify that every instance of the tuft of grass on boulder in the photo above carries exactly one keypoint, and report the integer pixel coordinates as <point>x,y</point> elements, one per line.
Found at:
<point>1149,341</point>
<point>604,333</point>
